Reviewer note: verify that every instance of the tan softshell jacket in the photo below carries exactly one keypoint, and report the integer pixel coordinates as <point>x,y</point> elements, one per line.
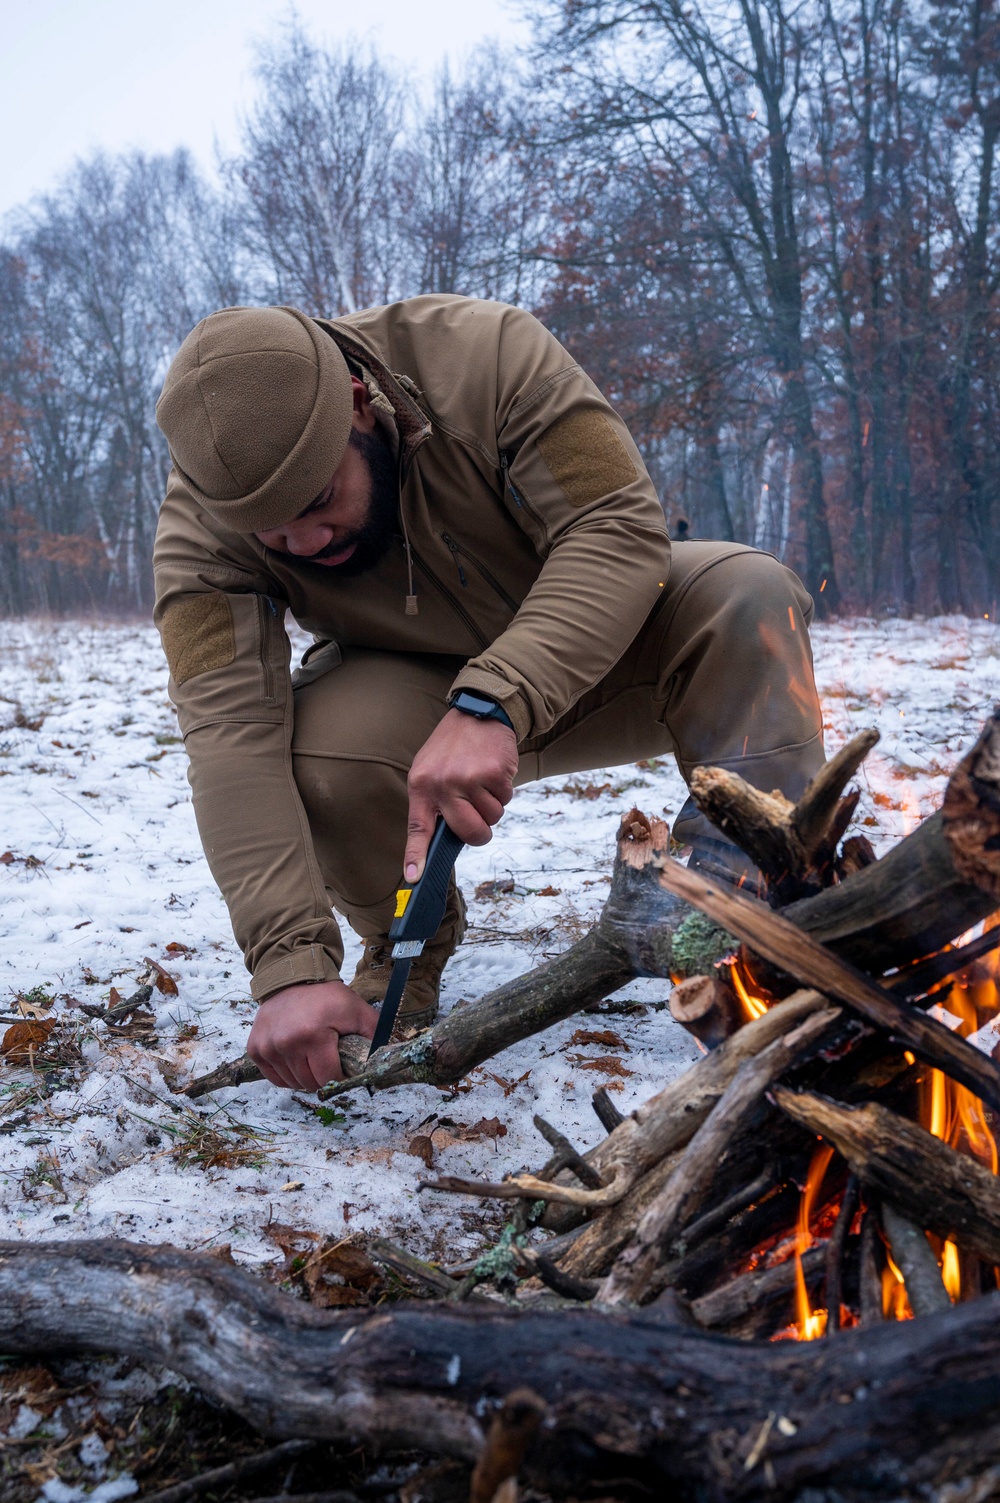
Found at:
<point>534,546</point>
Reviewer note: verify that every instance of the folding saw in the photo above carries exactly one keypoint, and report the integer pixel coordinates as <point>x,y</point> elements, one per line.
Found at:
<point>419,911</point>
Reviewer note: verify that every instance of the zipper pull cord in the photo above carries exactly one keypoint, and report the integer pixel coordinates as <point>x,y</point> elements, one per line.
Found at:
<point>412,608</point>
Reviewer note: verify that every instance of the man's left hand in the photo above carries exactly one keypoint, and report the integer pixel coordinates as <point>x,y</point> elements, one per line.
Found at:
<point>465,771</point>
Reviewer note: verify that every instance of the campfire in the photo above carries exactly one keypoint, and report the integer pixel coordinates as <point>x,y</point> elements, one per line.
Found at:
<point>831,1160</point>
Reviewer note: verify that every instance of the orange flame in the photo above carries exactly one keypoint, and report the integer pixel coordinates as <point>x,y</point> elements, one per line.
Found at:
<point>895,1301</point>
<point>951,1271</point>
<point>809,1323</point>
<point>756,1007</point>
<point>947,1110</point>
<point>954,1114</point>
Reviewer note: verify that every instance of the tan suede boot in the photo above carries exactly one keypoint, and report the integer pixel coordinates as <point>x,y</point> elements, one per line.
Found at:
<point>419,1006</point>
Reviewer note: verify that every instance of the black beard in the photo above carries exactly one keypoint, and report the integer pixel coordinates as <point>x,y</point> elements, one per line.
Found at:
<point>373,539</point>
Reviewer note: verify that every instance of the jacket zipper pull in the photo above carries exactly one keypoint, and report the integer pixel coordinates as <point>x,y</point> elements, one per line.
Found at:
<point>411,605</point>
<point>455,555</point>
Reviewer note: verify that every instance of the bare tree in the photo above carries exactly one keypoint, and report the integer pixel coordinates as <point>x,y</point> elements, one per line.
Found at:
<point>713,95</point>
<point>467,203</point>
<point>312,184</point>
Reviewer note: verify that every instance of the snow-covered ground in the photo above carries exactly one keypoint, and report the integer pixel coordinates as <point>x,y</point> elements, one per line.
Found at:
<point>101,867</point>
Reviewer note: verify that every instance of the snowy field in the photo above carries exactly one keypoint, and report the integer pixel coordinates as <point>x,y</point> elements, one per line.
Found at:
<point>101,870</point>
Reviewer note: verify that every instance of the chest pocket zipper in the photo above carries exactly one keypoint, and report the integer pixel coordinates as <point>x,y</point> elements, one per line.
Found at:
<point>505,471</point>
<point>459,553</point>
<point>520,501</point>
<point>269,623</point>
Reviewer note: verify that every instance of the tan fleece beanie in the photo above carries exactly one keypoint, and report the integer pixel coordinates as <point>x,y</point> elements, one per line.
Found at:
<point>256,409</point>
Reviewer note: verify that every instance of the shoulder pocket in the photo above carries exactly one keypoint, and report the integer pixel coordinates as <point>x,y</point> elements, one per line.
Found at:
<point>197,635</point>
<point>228,656</point>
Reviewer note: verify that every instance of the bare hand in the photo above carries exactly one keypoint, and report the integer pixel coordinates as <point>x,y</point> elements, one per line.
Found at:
<point>465,770</point>
<point>295,1038</point>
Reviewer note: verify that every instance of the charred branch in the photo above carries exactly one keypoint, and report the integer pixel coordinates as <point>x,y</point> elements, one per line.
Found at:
<point>943,1191</point>
<point>787,946</point>
<point>634,1276</point>
<point>793,844</point>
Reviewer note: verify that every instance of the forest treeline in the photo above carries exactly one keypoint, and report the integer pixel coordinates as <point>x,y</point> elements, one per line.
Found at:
<point>767,228</point>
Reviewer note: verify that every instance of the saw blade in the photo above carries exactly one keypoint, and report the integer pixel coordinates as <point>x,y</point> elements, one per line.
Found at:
<point>390,1006</point>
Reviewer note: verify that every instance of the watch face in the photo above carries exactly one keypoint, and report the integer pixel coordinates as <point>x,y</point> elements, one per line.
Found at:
<point>474,705</point>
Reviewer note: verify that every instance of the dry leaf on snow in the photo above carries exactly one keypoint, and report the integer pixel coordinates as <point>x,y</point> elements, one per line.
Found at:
<point>22,1040</point>
<point>421,1147</point>
<point>606,1037</point>
<point>610,1063</point>
<point>162,980</point>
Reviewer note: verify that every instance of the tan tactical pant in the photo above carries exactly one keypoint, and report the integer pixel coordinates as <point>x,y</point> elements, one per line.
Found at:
<point>721,673</point>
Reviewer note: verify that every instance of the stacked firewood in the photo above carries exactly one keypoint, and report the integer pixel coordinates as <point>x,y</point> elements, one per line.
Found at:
<point>797,1178</point>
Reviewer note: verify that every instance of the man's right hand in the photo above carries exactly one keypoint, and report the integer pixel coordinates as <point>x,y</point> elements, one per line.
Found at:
<point>295,1038</point>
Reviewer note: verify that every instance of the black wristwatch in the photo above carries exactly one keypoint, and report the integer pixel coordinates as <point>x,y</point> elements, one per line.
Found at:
<point>481,706</point>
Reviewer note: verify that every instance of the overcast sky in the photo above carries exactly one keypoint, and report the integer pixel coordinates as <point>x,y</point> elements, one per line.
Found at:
<point>155,74</point>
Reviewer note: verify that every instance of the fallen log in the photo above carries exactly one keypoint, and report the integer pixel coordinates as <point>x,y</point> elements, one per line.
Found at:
<point>945,1192</point>
<point>893,1412</point>
<point>641,931</point>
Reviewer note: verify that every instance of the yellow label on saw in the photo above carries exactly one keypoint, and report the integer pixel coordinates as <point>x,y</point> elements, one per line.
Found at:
<point>402,898</point>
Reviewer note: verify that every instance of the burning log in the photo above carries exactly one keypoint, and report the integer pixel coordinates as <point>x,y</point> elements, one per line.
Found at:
<point>945,1191</point>
<point>915,1258</point>
<point>870,1311</point>
<point>723,1307</point>
<point>634,1275</point>
<point>787,946</point>
<point>835,1255</point>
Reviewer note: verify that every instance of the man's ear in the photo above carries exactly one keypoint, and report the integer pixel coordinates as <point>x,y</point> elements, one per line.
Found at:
<point>363,420</point>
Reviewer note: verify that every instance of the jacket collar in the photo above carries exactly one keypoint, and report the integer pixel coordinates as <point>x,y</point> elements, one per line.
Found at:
<point>394,397</point>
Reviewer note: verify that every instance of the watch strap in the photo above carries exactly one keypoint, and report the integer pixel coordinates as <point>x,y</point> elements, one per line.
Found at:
<point>481,707</point>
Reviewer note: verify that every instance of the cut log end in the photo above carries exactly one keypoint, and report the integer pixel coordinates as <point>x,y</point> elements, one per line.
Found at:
<point>707,1008</point>
<point>640,838</point>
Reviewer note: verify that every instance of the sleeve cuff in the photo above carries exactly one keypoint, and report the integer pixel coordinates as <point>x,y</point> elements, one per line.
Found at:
<point>311,963</point>
<point>512,700</point>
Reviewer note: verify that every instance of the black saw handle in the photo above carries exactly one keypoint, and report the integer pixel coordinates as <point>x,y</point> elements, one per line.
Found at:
<point>420,908</point>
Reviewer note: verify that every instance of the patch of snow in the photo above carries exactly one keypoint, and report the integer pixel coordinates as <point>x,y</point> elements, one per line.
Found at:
<point>93,1452</point>
<point>25,1421</point>
<point>57,1491</point>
